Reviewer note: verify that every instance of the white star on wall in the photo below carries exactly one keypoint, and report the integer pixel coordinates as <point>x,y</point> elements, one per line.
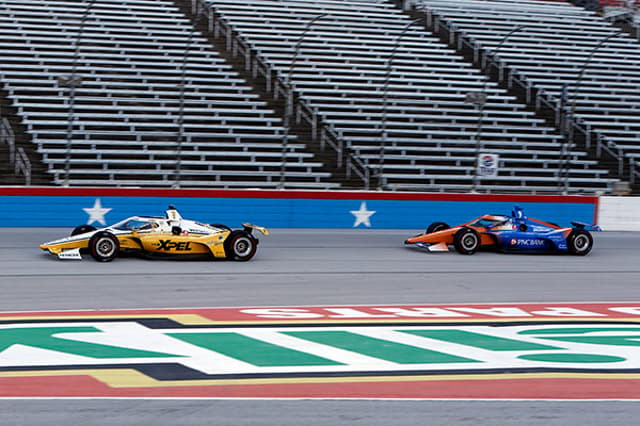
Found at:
<point>362,215</point>
<point>96,213</point>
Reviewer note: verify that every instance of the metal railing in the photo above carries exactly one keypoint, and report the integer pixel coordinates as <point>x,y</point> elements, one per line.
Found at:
<point>634,169</point>
<point>7,137</point>
<point>356,166</point>
<point>23,165</point>
<point>603,144</point>
<point>18,158</point>
<point>345,158</point>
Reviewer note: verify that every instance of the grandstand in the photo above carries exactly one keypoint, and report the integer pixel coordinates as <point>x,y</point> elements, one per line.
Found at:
<point>133,93</point>
<point>390,98</point>
<point>156,104</point>
<point>567,59</point>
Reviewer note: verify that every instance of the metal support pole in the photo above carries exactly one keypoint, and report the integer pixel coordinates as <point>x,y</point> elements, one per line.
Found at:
<point>385,100</point>
<point>578,82</point>
<point>564,161</point>
<point>569,116</point>
<point>288,110</point>
<point>72,81</point>
<point>4,134</point>
<point>502,42</point>
<point>479,99</point>
<point>198,12</point>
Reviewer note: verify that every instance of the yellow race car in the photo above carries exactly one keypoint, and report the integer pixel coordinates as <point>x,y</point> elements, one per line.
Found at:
<point>170,236</point>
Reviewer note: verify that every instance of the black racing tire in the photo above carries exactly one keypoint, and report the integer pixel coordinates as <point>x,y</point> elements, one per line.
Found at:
<point>437,226</point>
<point>240,246</point>
<point>466,241</point>
<point>221,226</point>
<point>580,242</point>
<point>104,246</point>
<point>82,229</point>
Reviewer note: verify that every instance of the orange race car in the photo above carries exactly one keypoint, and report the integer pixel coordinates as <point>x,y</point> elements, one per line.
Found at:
<point>515,233</point>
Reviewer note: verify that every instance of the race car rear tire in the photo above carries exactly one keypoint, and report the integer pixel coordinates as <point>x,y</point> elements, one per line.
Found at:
<point>466,241</point>
<point>580,242</point>
<point>240,246</point>
<point>82,229</point>
<point>104,246</point>
<point>437,226</point>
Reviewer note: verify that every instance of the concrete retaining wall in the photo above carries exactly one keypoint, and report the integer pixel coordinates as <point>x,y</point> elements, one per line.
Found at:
<point>69,207</point>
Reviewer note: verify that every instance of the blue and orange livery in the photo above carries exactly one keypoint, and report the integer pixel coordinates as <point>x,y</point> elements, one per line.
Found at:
<point>513,234</point>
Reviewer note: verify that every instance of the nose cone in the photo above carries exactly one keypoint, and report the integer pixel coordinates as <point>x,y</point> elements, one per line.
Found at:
<point>414,239</point>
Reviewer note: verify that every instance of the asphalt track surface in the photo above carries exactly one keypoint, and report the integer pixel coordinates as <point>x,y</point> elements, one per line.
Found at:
<point>315,267</point>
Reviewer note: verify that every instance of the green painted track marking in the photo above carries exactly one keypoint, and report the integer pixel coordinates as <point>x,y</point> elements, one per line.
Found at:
<point>252,351</point>
<point>42,337</point>
<point>572,358</point>
<point>477,340</point>
<point>578,335</point>
<point>378,348</point>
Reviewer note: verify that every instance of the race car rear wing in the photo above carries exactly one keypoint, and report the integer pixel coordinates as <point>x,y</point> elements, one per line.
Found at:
<point>586,226</point>
<point>248,227</point>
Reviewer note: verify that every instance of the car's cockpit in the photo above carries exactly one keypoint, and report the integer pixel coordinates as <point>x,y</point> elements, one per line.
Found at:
<point>140,224</point>
<point>494,223</point>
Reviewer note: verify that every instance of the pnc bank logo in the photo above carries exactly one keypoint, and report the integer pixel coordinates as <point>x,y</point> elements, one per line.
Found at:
<point>524,242</point>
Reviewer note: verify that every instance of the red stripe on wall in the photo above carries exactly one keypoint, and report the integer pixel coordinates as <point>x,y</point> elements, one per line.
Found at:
<point>333,195</point>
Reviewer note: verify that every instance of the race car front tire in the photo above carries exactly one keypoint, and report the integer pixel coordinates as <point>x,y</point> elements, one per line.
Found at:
<point>580,242</point>
<point>240,246</point>
<point>104,246</point>
<point>437,226</point>
<point>466,241</point>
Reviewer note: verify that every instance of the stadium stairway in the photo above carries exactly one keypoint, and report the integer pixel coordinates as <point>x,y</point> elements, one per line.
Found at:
<point>8,175</point>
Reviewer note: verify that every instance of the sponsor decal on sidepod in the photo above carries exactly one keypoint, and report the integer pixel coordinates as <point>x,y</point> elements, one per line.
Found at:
<point>525,242</point>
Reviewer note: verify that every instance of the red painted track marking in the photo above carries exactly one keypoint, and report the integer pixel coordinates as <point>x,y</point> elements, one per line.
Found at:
<point>84,386</point>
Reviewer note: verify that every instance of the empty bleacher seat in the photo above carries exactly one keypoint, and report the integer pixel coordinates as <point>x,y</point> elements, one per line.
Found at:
<point>552,46</point>
<point>393,97</point>
<point>154,92</point>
